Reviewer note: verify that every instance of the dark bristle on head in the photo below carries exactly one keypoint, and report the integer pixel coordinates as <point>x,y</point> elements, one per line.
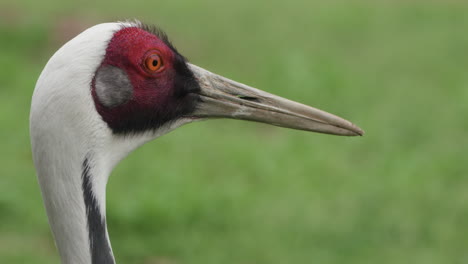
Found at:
<point>158,32</point>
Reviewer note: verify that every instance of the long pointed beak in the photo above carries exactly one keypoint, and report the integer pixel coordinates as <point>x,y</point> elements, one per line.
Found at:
<point>224,98</point>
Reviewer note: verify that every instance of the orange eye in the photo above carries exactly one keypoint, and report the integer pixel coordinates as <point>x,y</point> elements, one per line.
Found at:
<point>153,62</point>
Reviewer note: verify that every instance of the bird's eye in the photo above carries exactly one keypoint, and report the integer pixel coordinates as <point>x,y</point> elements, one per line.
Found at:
<point>153,62</point>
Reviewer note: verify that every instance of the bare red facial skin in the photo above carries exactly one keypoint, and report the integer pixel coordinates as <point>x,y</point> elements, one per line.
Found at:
<point>157,97</point>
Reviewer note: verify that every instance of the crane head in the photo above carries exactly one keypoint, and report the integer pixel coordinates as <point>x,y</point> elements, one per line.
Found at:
<point>143,83</point>
<point>116,86</point>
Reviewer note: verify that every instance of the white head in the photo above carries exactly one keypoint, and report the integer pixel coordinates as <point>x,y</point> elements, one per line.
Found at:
<point>113,88</point>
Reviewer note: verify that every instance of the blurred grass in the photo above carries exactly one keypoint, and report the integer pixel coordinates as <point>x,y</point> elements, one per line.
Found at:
<point>234,192</point>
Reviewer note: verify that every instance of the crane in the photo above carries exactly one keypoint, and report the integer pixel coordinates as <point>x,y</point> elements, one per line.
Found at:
<point>108,91</point>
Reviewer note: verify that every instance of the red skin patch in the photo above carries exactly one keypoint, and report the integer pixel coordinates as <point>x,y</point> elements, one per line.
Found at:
<point>157,97</point>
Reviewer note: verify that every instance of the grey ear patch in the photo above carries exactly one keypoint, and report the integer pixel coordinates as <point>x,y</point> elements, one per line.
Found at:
<point>113,87</point>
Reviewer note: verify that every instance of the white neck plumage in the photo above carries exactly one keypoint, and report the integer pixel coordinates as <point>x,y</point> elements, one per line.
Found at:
<point>61,144</point>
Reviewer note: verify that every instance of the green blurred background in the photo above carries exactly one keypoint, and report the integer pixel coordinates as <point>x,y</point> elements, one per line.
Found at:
<point>238,192</point>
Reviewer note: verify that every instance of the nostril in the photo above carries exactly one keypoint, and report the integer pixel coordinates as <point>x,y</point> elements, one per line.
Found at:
<point>248,98</point>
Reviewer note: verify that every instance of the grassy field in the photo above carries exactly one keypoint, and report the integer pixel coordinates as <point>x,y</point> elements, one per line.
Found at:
<point>238,192</point>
